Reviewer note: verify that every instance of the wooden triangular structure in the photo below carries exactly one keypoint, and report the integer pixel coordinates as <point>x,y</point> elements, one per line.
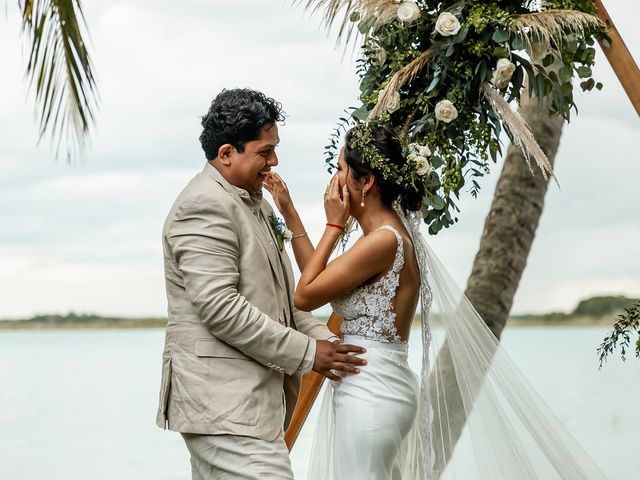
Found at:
<point>620,59</point>
<point>627,72</point>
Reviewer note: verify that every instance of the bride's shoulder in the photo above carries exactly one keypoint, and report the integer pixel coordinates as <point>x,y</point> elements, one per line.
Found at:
<point>377,245</point>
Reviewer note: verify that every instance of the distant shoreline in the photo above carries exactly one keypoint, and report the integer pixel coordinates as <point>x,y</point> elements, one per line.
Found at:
<point>601,311</point>
<point>160,323</point>
<point>81,324</point>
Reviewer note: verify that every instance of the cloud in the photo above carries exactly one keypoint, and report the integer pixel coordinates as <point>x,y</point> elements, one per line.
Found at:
<point>86,237</point>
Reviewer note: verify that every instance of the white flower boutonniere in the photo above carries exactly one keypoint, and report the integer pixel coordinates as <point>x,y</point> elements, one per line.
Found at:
<point>282,233</point>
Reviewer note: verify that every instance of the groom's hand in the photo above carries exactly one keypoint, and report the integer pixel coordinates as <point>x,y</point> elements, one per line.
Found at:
<point>336,356</point>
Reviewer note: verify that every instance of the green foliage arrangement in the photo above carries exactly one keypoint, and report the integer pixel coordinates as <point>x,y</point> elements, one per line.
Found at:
<point>444,73</point>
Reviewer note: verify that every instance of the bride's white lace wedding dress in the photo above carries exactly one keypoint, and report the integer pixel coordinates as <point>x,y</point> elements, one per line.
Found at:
<point>385,423</point>
<point>367,420</point>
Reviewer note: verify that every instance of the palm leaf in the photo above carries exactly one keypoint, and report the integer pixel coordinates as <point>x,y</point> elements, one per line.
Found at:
<point>400,78</point>
<point>520,133</point>
<point>60,71</point>
<point>372,13</point>
<point>553,26</point>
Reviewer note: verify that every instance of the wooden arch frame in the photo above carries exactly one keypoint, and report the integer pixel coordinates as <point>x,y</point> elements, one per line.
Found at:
<point>628,74</point>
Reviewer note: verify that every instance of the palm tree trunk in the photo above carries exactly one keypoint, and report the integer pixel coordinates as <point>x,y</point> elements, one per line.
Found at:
<point>509,231</point>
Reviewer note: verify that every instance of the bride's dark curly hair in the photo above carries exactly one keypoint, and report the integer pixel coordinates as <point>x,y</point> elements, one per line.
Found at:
<point>388,145</point>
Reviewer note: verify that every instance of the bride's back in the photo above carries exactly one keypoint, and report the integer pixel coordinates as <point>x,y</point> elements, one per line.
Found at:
<point>408,292</point>
<point>383,308</point>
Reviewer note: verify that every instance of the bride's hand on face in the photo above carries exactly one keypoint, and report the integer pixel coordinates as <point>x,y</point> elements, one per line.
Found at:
<point>336,202</point>
<point>279,191</point>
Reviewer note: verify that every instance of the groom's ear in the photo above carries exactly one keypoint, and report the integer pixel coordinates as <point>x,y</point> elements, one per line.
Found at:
<point>224,154</point>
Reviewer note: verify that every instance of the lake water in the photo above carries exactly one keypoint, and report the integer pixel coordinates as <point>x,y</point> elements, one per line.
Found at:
<point>80,404</point>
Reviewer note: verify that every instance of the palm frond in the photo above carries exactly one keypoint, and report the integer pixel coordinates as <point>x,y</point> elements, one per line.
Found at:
<point>60,71</point>
<point>400,78</point>
<point>521,135</point>
<point>372,12</point>
<point>553,26</point>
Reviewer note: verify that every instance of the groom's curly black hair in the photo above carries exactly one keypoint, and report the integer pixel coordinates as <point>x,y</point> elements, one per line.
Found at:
<point>236,117</point>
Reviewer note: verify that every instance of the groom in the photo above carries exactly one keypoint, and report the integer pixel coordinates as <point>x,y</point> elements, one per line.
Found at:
<point>235,345</point>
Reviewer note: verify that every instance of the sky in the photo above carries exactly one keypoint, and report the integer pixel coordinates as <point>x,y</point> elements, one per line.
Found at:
<point>86,236</point>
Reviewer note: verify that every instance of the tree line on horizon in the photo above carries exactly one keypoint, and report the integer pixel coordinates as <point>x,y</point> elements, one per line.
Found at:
<point>593,307</point>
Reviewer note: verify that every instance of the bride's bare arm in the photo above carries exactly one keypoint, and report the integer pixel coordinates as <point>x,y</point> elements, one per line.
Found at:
<point>321,282</point>
<point>302,246</point>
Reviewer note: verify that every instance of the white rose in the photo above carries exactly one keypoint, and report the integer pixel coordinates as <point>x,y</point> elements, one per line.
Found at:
<point>408,12</point>
<point>414,148</point>
<point>394,102</point>
<point>445,111</point>
<point>423,166</point>
<point>502,73</point>
<point>287,234</point>
<point>379,55</point>
<point>447,24</point>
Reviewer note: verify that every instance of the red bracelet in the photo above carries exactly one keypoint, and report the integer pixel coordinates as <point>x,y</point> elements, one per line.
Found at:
<point>335,225</point>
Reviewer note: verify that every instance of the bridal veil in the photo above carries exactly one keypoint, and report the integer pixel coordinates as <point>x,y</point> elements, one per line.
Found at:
<point>478,416</point>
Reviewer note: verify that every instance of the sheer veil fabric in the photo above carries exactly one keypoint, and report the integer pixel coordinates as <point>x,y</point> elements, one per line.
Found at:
<point>472,391</point>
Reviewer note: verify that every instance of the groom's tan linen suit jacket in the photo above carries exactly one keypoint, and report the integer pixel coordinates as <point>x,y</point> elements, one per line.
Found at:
<point>234,342</point>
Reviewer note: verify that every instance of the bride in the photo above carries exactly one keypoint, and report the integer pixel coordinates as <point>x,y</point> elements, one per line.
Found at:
<point>383,422</point>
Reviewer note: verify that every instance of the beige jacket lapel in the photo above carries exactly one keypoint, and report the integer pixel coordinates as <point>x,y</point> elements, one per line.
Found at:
<point>267,243</point>
<point>265,211</point>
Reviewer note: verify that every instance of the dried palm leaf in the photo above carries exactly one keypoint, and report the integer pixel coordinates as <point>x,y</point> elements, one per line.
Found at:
<point>553,26</point>
<point>400,78</point>
<point>60,70</point>
<point>521,135</point>
<point>372,12</point>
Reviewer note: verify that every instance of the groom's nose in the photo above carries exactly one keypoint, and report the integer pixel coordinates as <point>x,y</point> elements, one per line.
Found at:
<point>273,159</point>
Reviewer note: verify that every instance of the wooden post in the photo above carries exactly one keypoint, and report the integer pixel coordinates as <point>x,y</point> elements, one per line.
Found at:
<point>620,59</point>
<point>311,384</point>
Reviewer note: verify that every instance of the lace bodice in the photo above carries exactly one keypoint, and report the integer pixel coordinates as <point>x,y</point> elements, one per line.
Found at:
<point>368,309</point>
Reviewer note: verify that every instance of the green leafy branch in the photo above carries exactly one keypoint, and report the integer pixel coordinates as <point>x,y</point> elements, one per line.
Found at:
<point>626,325</point>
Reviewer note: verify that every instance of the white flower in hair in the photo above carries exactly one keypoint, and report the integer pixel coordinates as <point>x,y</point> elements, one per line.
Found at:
<point>502,73</point>
<point>408,12</point>
<point>447,24</point>
<point>445,111</point>
<point>423,167</point>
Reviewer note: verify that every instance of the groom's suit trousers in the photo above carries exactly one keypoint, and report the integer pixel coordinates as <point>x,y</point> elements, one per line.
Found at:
<point>233,457</point>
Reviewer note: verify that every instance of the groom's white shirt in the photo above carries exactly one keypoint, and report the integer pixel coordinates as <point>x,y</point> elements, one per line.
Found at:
<point>235,345</point>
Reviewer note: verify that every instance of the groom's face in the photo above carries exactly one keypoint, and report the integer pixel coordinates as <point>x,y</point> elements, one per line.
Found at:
<point>250,168</point>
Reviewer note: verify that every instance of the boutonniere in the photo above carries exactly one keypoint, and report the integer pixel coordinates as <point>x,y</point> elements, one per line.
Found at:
<point>280,230</point>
